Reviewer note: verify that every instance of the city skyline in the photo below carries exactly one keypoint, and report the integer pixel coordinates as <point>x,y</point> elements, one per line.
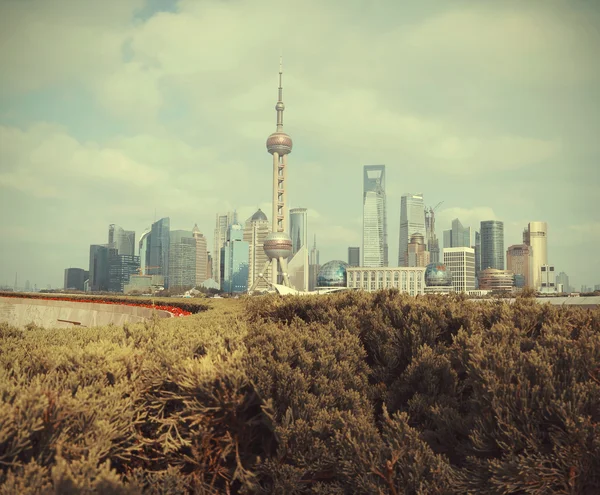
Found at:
<point>86,145</point>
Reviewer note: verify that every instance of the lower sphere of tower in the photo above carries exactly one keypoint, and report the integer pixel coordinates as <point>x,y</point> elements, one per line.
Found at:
<point>279,142</point>
<point>278,245</point>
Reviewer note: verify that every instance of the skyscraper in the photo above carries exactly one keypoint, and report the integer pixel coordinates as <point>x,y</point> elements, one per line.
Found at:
<point>298,228</point>
<point>222,226</point>
<point>182,259</point>
<point>492,244</point>
<point>234,261</point>
<point>298,264</point>
<point>477,248</point>
<point>256,230</point>
<point>98,281</point>
<point>354,256</point>
<point>518,261</point>
<point>461,263</point>
<point>278,245</point>
<point>433,245</point>
<point>537,236</point>
<point>313,265</point>
<point>144,251</point>
<point>374,239</point>
<point>201,256</point>
<point>458,236</point>
<point>120,269</point>
<point>122,240</point>
<point>160,241</point>
<point>412,221</point>
<point>417,251</point>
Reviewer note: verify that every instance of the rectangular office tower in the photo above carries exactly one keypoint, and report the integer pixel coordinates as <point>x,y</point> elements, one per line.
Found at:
<point>492,244</point>
<point>354,256</point>
<point>182,259</point>
<point>222,225</point>
<point>461,263</point>
<point>160,240</point>
<point>298,270</point>
<point>412,221</point>
<point>122,240</point>
<point>375,242</point>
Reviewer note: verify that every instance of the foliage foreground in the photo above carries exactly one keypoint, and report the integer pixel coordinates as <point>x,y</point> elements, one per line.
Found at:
<point>350,393</point>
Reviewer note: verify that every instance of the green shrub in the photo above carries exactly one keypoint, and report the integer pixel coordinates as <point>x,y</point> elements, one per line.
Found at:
<point>349,393</point>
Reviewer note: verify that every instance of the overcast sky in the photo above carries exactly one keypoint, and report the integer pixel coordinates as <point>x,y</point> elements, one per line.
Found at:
<point>110,111</point>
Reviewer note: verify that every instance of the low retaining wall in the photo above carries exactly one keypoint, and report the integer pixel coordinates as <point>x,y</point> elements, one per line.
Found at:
<point>20,312</point>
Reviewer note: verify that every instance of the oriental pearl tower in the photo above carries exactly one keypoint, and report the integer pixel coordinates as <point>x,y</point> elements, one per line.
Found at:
<point>278,245</point>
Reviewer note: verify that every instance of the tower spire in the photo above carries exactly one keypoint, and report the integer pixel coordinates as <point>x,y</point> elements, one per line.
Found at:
<point>280,106</point>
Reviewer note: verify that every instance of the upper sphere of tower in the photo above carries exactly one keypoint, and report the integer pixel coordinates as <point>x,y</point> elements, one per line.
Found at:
<point>280,106</point>
<point>279,142</point>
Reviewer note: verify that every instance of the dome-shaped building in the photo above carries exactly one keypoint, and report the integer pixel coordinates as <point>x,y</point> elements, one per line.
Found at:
<point>438,278</point>
<point>333,274</point>
<point>259,216</point>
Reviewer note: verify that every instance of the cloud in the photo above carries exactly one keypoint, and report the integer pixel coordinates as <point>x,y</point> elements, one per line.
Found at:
<point>486,105</point>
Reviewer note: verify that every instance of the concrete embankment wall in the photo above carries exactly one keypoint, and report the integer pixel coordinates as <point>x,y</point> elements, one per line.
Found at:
<point>59,314</point>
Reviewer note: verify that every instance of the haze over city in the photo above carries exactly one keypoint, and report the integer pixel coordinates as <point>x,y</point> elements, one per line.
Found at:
<point>126,112</point>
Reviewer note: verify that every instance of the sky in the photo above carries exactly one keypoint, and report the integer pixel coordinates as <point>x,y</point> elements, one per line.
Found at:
<point>128,111</point>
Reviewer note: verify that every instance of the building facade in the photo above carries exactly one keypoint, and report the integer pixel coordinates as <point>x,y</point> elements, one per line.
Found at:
<point>354,256</point>
<point>202,272</point>
<point>98,269</point>
<point>563,279</point>
<point>417,251</point>
<point>374,238</point>
<point>158,253</point>
<point>458,235</point>
<point>74,278</point>
<point>298,269</point>
<point>182,259</point>
<point>547,279</point>
<point>407,280</point>
<point>537,237</point>
<point>120,268</point>
<point>313,266</point>
<point>222,225</point>
<point>144,251</point>
<point>461,263</point>
<point>234,261</point>
<point>121,240</point>
<point>298,228</point>
<point>492,279</point>
<point>412,221</point>
<point>256,230</point>
<point>492,244</point>
<point>518,261</point>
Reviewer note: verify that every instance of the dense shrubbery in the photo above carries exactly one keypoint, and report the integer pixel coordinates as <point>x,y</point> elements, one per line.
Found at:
<point>351,393</point>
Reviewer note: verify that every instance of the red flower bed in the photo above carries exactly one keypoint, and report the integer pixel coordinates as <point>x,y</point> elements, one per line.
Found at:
<point>171,309</point>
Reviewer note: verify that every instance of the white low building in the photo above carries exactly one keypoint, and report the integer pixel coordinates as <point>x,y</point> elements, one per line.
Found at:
<point>410,280</point>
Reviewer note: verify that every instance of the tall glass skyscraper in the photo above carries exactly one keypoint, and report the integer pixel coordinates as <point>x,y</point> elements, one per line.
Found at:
<point>122,240</point>
<point>458,236</point>
<point>98,269</point>
<point>144,250</point>
<point>412,221</point>
<point>234,261</point>
<point>182,259</point>
<point>492,244</point>
<point>298,228</point>
<point>158,263</point>
<point>221,228</point>
<point>375,242</point>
